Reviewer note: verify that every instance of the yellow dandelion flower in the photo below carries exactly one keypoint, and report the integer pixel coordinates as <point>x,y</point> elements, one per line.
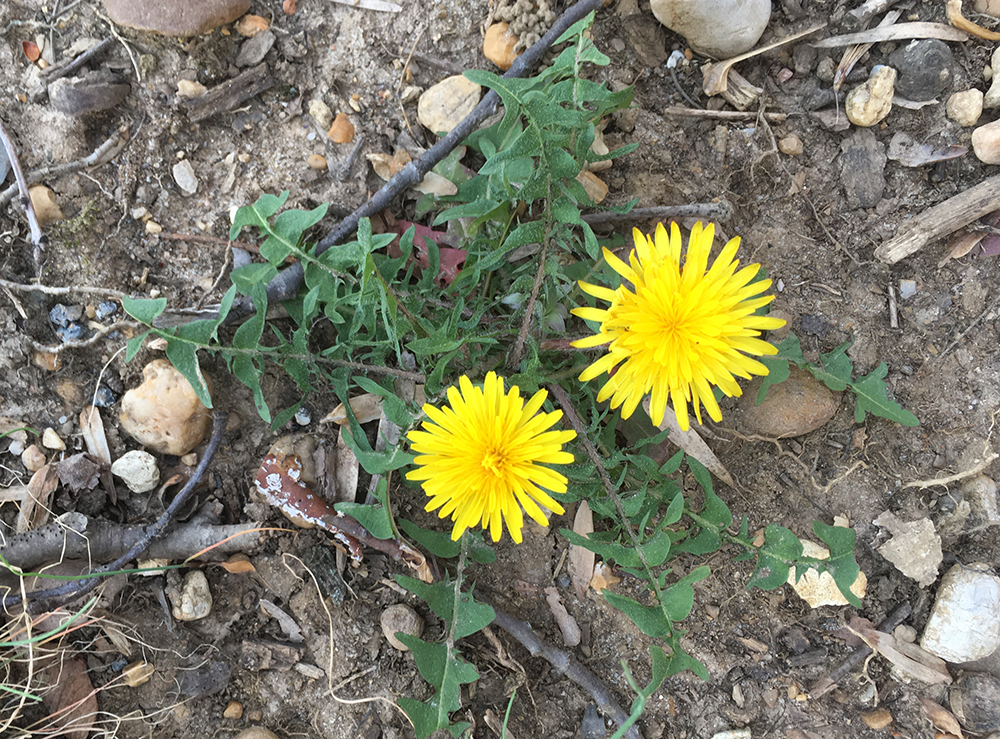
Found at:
<point>482,459</point>
<point>680,329</point>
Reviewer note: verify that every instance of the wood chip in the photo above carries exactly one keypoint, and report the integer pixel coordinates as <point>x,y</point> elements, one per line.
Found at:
<point>567,624</point>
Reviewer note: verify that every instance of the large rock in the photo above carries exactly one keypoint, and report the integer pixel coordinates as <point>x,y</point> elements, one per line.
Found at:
<point>794,407</point>
<point>964,624</point>
<point>163,413</point>
<point>443,106</point>
<point>718,28</point>
<point>175,17</point>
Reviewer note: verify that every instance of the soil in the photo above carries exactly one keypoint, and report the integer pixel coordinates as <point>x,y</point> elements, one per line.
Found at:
<point>763,650</point>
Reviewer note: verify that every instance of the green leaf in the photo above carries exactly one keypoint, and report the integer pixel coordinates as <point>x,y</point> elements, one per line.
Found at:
<point>394,409</point>
<point>651,620</point>
<point>257,214</point>
<point>144,310</point>
<point>377,463</point>
<point>778,370</point>
<point>873,397</point>
<point>442,545</point>
<point>440,596</point>
<point>375,518</point>
<point>835,369</point>
<point>133,345</point>
<point>184,357</point>
<point>443,669</point>
<point>841,564</point>
<point>622,555</point>
<point>674,510</point>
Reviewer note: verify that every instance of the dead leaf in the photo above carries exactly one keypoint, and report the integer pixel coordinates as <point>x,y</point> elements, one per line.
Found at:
<point>909,152</point>
<point>898,32</point>
<point>961,243</point>
<point>92,427</point>
<point>36,505</point>
<point>604,577</point>
<point>941,717</point>
<point>908,658</point>
<point>239,562</point>
<point>567,624</point>
<point>72,700</point>
<point>693,445</point>
<point>435,184</point>
<point>366,407</point>
<point>716,76</point>
<point>581,559</point>
<point>286,622</point>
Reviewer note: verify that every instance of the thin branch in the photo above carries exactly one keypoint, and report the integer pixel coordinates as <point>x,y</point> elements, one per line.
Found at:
<point>53,73</point>
<point>116,326</point>
<point>45,599</point>
<point>568,666</point>
<point>101,155</point>
<point>529,310</point>
<point>38,239</point>
<point>286,284</point>
<point>68,290</point>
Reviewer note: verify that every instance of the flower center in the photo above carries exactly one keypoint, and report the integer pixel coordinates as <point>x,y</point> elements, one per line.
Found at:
<point>495,461</point>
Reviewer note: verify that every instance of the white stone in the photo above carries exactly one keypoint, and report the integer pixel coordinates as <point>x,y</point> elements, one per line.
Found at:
<point>185,177</point>
<point>194,600</point>
<point>321,113</point>
<point>51,440</point>
<point>965,107</point>
<point>819,588</point>
<point>964,624</point>
<point>443,106</point>
<point>992,97</point>
<point>986,143</point>
<point>138,471</point>
<point>718,28</point>
<point>871,102</point>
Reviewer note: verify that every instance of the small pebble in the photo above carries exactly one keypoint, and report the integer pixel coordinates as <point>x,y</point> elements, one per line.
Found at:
<point>321,113</point>
<point>153,228</point>
<point>797,406</point>
<point>137,673</point>
<point>190,459</point>
<point>446,104</point>
<point>255,49</point>
<point>907,288</point>
<point>341,130</point>
<point>194,601</point>
<point>965,107</point>
<point>499,45</point>
<point>871,102</point>
<point>233,711</point>
<point>401,617</point>
<point>877,720</point>
<point>105,310</point>
<point>250,25</point>
<point>51,440</point>
<point>72,332</point>
<point>138,471</point>
<point>63,315</point>
<point>303,417</point>
<point>316,161</point>
<point>17,447</point>
<point>32,458</point>
<point>104,397</point>
<point>986,143</point>
<point>791,145</point>
<point>190,89</point>
<point>975,700</point>
<point>185,178</point>
<point>47,360</point>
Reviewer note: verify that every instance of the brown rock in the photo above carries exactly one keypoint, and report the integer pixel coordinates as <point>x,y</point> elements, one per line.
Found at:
<point>791,145</point>
<point>794,407</point>
<point>401,617</point>
<point>498,45</point>
<point>47,360</point>
<point>33,458</point>
<point>316,161</point>
<point>163,413</point>
<point>341,130</point>
<point>175,17</point>
<point>596,189</point>
<point>250,25</point>
<point>233,711</point>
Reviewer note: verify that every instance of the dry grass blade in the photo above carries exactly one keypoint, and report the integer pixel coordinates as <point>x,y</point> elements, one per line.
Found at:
<point>581,559</point>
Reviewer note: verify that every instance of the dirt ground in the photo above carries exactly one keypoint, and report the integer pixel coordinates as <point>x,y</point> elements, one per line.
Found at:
<point>796,218</point>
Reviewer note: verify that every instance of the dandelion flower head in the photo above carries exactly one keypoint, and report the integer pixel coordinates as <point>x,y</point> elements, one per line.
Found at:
<point>483,458</point>
<point>680,329</point>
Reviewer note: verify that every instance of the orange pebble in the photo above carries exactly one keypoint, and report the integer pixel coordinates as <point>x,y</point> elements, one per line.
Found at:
<point>342,130</point>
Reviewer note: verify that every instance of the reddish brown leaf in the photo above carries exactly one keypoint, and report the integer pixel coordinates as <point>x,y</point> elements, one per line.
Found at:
<point>238,563</point>
<point>72,700</point>
<point>31,50</point>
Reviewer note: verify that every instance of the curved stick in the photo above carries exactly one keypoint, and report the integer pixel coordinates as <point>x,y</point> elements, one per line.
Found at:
<point>63,593</point>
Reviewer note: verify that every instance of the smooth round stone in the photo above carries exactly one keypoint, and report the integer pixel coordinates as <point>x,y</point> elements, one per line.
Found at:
<point>964,624</point>
<point>498,45</point>
<point>175,17</point>
<point>986,143</point>
<point>925,69</point>
<point>794,407</point>
<point>718,28</point>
